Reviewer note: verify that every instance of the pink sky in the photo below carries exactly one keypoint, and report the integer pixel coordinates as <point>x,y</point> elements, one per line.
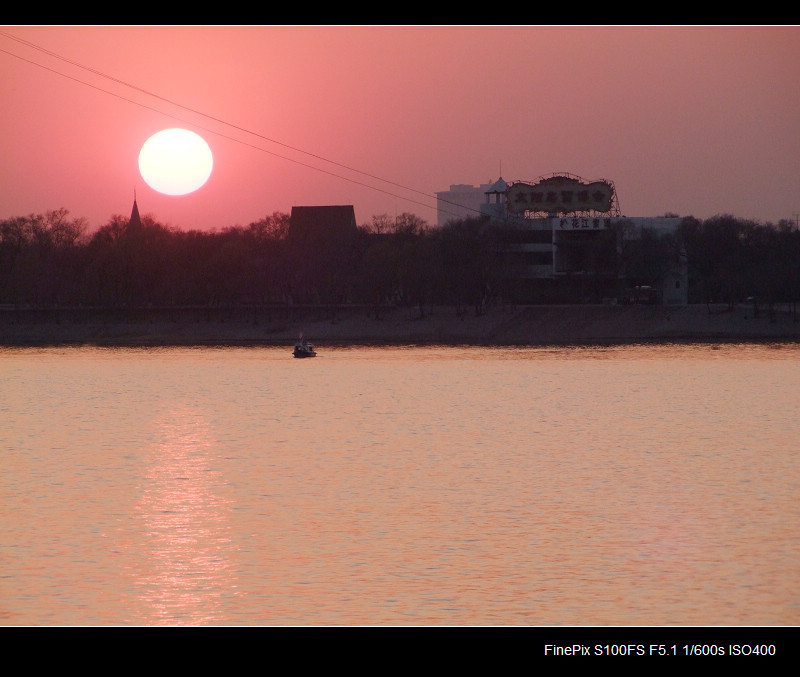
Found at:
<point>692,120</point>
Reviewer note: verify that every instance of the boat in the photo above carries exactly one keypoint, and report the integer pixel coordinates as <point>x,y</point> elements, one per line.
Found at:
<point>304,349</point>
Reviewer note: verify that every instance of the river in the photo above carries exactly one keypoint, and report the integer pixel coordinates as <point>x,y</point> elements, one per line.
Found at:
<point>628,485</point>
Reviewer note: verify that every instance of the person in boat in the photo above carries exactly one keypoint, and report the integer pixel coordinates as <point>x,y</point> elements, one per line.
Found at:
<point>303,345</point>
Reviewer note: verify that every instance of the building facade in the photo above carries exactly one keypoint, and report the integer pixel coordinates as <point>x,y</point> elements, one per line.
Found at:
<point>563,239</point>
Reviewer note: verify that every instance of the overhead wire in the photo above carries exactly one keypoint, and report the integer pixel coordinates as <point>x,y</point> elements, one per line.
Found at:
<point>225,123</point>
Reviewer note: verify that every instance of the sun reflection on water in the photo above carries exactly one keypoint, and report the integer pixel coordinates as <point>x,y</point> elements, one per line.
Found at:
<point>185,572</point>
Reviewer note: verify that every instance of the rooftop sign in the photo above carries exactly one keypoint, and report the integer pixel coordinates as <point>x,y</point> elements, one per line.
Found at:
<point>560,194</point>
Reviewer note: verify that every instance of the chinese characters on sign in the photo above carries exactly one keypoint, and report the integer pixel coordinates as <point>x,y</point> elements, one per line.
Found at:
<point>582,223</point>
<point>562,194</point>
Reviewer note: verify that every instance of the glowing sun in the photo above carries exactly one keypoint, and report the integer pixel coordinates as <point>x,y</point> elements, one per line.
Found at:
<point>175,161</point>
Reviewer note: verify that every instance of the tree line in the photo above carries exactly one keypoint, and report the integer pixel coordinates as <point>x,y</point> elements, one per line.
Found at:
<point>52,260</point>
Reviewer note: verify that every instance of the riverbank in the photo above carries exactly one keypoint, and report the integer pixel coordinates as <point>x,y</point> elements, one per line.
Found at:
<point>521,325</point>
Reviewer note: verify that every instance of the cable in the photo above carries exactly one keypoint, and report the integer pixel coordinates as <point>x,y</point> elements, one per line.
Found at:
<point>223,122</point>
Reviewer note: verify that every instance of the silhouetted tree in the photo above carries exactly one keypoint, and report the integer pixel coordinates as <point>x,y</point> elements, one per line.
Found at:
<point>468,263</point>
<point>37,257</point>
<point>377,275</point>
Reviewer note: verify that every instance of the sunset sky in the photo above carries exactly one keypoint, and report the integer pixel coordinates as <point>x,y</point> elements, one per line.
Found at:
<point>692,120</point>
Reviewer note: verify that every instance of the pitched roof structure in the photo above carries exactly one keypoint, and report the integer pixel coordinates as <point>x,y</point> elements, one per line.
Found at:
<point>322,222</point>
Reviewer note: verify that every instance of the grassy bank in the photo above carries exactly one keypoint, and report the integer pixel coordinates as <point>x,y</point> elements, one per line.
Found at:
<point>522,325</point>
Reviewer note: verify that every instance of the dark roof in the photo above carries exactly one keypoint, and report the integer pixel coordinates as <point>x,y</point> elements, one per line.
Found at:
<point>320,221</point>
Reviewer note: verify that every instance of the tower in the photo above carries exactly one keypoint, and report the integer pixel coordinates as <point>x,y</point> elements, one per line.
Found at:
<point>135,221</point>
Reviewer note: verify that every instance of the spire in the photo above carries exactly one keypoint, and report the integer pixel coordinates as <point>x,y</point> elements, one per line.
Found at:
<point>135,221</point>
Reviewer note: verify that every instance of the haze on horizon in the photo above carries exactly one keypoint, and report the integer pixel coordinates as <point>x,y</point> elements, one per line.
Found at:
<point>696,121</point>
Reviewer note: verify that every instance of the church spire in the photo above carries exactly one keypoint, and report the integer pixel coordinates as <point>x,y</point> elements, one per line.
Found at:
<point>135,221</point>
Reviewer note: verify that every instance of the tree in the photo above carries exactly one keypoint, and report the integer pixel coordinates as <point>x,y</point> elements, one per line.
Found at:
<point>274,227</point>
<point>37,257</point>
<point>377,274</point>
<point>467,262</point>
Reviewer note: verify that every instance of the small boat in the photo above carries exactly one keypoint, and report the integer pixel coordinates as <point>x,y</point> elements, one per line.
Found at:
<point>304,349</point>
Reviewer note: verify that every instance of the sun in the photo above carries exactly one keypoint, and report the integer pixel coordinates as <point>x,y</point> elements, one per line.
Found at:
<point>175,161</point>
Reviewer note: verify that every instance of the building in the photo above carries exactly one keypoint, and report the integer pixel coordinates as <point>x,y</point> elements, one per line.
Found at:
<point>322,223</point>
<point>322,241</point>
<point>563,239</point>
<point>568,258</point>
<point>462,201</point>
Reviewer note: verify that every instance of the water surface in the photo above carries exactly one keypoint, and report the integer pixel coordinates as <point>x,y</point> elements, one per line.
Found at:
<point>644,485</point>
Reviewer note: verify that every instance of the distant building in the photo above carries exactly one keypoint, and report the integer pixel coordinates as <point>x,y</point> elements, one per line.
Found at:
<point>562,238</point>
<point>462,201</point>
<point>553,258</point>
<point>494,203</point>
<point>323,242</point>
<point>324,222</point>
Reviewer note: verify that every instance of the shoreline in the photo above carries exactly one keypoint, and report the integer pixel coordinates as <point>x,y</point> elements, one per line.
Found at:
<point>442,325</point>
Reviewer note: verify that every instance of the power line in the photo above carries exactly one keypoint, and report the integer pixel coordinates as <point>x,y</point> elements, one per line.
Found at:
<point>221,121</point>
